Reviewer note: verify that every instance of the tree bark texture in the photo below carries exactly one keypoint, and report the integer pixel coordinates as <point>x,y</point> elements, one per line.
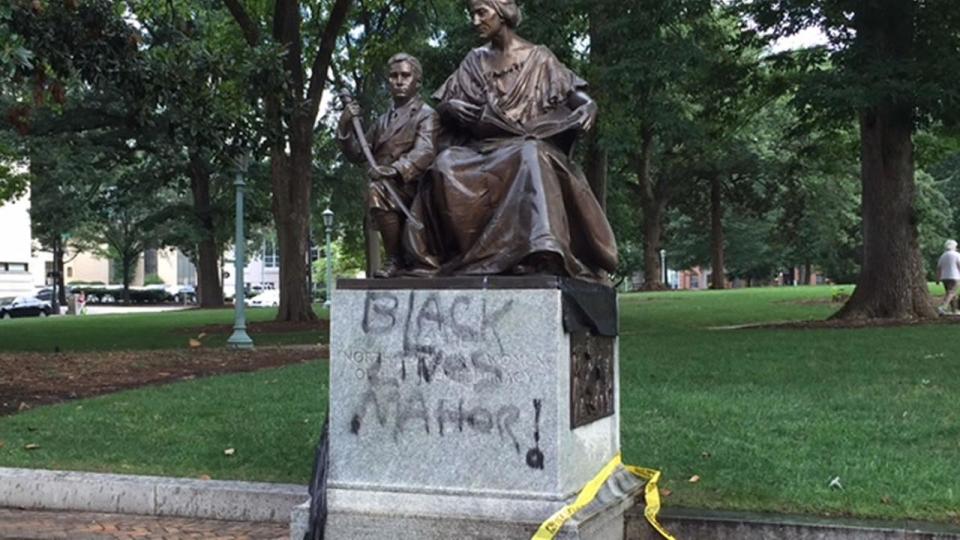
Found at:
<point>892,282</point>
<point>653,202</point>
<point>125,266</point>
<point>55,281</point>
<point>58,267</point>
<point>372,242</point>
<point>718,276</point>
<point>210,293</point>
<point>596,165</point>
<point>597,158</point>
<point>292,189</point>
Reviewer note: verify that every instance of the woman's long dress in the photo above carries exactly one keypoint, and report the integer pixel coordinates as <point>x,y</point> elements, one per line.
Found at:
<point>508,195</point>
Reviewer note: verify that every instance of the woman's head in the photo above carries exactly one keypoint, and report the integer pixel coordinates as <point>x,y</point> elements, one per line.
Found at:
<point>488,16</point>
<point>950,245</point>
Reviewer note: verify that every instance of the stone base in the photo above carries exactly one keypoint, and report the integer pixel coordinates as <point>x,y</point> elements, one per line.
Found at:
<point>373,515</point>
<point>472,408</point>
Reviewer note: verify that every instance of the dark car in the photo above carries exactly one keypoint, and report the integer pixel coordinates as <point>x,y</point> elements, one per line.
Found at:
<point>23,306</point>
<point>45,294</point>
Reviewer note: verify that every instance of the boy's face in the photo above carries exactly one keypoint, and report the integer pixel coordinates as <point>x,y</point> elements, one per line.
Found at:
<point>402,81</point>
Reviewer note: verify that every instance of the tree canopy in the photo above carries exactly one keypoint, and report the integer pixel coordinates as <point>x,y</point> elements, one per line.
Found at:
<point>841,157</point>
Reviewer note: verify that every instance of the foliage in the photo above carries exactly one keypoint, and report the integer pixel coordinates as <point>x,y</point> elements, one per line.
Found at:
<point>153,279</point>
<point>124,216</point>
<point>935,217</point>
<point>176,88</point>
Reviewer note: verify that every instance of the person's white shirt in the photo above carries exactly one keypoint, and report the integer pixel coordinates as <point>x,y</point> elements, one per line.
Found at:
<point>949,265</point>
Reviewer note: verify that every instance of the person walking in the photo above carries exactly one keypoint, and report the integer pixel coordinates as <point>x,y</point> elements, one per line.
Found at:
<point>948,271</point>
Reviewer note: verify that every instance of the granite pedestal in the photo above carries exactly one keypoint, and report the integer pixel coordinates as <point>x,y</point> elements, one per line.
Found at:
<point>472,408</point>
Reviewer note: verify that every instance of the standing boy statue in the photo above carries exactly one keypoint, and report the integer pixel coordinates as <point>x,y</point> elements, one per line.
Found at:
<point>401,147</point>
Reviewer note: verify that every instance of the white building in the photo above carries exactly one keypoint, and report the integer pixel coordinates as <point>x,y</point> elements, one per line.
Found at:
<point>15,240</point>
<point>263,269</point>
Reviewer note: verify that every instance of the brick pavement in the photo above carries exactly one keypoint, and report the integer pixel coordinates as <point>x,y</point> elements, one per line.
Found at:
<point>30,525</point>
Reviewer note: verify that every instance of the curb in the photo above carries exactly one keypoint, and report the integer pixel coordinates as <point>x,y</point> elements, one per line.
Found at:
<point>251,501</point>
<point>706,524</point>
<point>149,495</point>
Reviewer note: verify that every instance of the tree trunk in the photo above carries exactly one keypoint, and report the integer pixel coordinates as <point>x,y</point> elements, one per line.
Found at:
<point>718,279</point>
<point>55,297</point>
<point>125,265</point>
<point>597,158</point>
<point>652,240</point>
<point>290,115</point>
<point>372,242</point>
<point>292,189</point>
<point>60,275</point>
<point>892,282</point>
<point>653,203</point>
<point>596,168</point>
<point>210,288</point>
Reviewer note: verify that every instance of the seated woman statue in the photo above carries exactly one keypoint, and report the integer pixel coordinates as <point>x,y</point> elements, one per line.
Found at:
<point>506,198</point>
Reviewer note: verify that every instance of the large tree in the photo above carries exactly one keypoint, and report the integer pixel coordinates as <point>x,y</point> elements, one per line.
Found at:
<point>891,64</point>
<point>291,104</point>
<point>649,51</point>
<point>204,115</point>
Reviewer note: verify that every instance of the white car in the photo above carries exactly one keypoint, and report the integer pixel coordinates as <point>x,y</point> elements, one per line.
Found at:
<point>268,298</point>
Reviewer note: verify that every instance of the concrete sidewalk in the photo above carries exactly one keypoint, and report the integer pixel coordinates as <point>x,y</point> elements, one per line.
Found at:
<point>25,524</point>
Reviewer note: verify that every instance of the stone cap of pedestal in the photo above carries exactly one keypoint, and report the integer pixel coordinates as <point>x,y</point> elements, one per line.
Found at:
<point>463,283</point>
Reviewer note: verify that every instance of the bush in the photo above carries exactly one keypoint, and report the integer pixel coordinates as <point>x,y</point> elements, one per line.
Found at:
<point>153,279</point>
<point>138,295</point>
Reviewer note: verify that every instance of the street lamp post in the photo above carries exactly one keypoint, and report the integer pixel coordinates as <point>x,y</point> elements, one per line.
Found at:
<point>239,339</point>
<point>328,225</point>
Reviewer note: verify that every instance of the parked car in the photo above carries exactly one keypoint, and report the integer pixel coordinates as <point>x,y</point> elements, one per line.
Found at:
<point>46,293</point>
<point>180,294</point>
<point>23,306</point>
<point>270,297</point>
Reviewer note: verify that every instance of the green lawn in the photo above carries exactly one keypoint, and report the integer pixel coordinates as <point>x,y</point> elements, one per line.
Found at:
<point>271,419</point>
<point>132,331</point>
<point>766,418</point>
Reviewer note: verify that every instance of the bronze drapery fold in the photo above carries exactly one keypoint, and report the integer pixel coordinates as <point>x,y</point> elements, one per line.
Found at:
<point>505,197</point>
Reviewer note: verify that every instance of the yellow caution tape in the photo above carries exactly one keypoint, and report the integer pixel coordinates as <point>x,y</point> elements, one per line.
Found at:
<point>549,529</point>
<point>652,497</point>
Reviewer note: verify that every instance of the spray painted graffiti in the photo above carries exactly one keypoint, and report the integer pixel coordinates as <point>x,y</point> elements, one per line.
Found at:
<point>443,378</point>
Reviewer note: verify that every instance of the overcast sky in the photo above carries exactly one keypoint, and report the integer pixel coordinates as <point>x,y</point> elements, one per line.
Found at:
<point>805,38</point>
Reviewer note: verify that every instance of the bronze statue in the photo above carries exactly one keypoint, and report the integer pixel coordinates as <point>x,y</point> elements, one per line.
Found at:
<point>398,149</point>
<point>506,197</point>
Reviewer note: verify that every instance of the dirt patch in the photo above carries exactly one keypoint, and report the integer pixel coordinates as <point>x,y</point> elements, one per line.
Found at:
<point>853,324</point>
<point>31,379</point>
<point>813,302</point>
<point>264,327</point>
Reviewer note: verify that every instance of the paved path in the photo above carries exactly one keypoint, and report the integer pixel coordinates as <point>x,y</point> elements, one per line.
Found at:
<point>113,309</point>
<point>29,525</point>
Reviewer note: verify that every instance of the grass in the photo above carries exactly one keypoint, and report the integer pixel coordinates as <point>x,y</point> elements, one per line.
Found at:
<point>766,418</point>
<point>272,420</point>
<point>133,331</point>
